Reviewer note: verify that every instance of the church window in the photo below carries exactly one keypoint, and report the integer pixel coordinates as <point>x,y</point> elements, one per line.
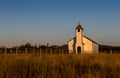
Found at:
<point>78,30</point>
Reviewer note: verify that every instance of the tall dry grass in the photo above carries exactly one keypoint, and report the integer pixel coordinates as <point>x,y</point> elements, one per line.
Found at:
<point>60,66</point>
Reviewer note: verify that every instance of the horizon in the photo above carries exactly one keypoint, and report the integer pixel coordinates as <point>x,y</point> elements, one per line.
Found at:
<point>54,22</point>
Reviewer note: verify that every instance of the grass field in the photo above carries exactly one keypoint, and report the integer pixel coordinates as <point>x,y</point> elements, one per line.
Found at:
<point>60,66</point>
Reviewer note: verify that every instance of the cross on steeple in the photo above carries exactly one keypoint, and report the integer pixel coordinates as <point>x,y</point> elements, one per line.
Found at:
<point>79,26</point>
<point>79,23</point>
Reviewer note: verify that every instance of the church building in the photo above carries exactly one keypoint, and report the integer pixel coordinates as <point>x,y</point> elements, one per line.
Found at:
<point>81,43</point>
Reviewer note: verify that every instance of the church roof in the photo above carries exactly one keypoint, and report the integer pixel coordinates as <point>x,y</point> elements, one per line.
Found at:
<point>79,27</point>
<point>91,40</point>
<point>85,37</point>
<point>72,39</point>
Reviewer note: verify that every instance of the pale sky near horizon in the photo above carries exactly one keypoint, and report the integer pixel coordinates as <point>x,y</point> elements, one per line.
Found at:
<point>54,21</point>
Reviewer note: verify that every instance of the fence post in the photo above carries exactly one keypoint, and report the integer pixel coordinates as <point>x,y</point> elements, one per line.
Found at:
<point>5,52</point>
<point>110,51</point>
<point>33,50</point>
<point>62,51</point>
<point>51,50</point>
<point>0,50</point>
<point>11,51</point>
<point>46,50</point>
<point>40,50</point>
<point>25,50</point>
<point>16,51</point>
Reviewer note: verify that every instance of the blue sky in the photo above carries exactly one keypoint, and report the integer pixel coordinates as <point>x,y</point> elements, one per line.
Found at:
<point>54,21</point>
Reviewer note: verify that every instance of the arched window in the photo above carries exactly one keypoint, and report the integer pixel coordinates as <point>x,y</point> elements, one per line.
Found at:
<point>78,30</point>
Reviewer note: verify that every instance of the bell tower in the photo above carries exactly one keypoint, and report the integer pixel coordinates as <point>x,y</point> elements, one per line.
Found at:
<point>79,38</point>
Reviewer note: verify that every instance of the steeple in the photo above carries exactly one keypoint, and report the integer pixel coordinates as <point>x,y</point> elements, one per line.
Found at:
<point>79,26</point>
<point>79,23</point>
<point>79,38</point>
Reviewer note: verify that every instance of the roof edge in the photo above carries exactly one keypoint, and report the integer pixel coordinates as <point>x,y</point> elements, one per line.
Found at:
<point>71,39</point>
<point>91,40</point>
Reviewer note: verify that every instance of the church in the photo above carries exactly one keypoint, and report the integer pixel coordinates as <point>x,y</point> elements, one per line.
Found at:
<point>81,43</point>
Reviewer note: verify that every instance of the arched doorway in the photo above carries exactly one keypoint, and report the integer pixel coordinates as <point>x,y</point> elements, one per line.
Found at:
<point>79,49</point>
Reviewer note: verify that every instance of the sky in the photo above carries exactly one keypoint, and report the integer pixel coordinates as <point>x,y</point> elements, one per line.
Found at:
<point>54,21</point>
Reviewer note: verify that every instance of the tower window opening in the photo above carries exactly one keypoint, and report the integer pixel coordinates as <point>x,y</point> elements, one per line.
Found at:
<point>78,30</point>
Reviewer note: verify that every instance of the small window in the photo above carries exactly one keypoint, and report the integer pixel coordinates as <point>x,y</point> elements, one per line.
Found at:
<point>78,30</point>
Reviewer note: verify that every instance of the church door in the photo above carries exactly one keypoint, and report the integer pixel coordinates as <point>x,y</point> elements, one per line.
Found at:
<point>79,49</point>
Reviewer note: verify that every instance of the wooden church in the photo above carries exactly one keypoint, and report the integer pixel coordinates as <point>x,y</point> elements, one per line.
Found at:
<point>81,43</point>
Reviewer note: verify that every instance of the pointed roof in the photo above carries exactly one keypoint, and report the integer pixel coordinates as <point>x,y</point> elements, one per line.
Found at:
<point>79,26</point>
<point>90,40</point>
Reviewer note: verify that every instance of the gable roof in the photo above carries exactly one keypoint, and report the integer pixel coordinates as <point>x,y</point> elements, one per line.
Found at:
<point>72,39</point>
<point>85,37</point>
<point>79,27</point>
<point>90,40</point>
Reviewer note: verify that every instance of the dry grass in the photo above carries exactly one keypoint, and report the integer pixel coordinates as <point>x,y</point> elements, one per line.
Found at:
<point>60,66</point>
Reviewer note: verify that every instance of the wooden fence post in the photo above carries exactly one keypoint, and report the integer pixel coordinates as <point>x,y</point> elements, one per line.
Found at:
<point>0,50</point>
<point>33,50</point>
<point>25,50</point>
<point>110,51</point>
<point>46,50</point>
<point>62,51</point>
<point>51,50</point>
<point>16,51</point>
<point>40,50</point>
<point>5,52</point>
<point>11,51</point>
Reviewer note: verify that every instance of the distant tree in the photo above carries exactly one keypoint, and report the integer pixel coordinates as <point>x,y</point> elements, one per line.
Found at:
<point>28,45</point>
<point>65,46</point>
<point>47,45</point>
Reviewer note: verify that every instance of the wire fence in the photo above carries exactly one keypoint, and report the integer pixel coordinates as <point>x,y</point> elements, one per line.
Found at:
<point>32,51</point>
